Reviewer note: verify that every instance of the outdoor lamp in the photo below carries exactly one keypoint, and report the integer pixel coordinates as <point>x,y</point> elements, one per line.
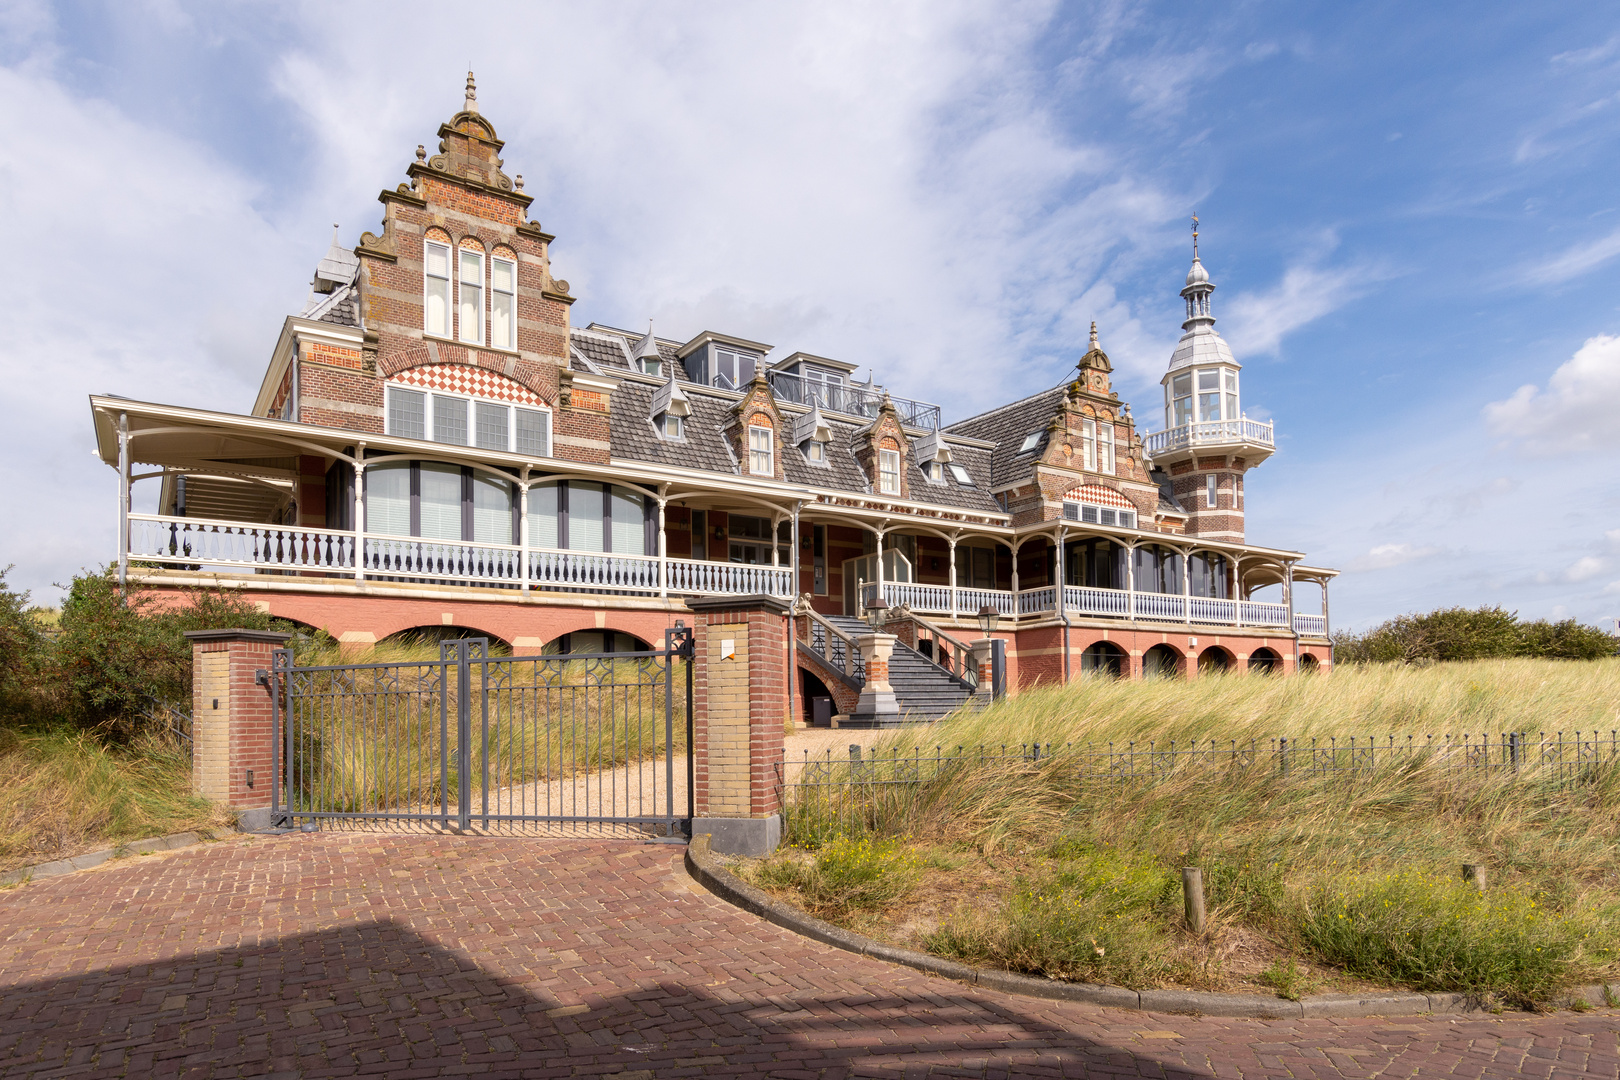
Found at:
<point>988,617</point>
<point>875,609</point>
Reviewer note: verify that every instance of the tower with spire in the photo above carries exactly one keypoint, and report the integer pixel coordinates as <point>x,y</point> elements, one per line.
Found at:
<point>1208,443</point>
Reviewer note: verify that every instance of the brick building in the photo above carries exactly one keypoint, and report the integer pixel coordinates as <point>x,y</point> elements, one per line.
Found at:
<point>436,445</point>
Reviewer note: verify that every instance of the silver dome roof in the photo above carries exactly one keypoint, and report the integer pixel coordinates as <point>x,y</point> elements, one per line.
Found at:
<point>1201,345</point>
<point>1197,275</point>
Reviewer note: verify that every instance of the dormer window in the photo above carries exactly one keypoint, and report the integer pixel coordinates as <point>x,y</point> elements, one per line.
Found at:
<point>730,369</point>
<point>669,410</point>
<point>815,452</point>
<point>761,451</point>
<point>652,366</point>
<point>436,289</point>
<point>671,426</point>
<point>888,472</point>
<point>1031,441</point>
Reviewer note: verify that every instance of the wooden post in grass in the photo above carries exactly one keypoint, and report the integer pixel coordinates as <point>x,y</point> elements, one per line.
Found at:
<point>1192,892</point>
<point>1474,872</point>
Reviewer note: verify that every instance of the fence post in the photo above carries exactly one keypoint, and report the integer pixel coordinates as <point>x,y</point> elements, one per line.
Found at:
<point>233,755</point>
<point>1474,872</point>
<point>740,668</point>
<point>1192,896</point>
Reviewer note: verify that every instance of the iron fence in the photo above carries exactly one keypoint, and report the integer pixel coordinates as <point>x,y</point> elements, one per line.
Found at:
<point>1550,756</point>
<point>583,739</point>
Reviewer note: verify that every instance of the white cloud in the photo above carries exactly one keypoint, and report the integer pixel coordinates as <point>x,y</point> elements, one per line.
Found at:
<point>1612,589</point>
<point>1258,321</point>
<point>1575,414</point>
<point>1388,556</point>
<point>1585,568</point>
<point>1573,262</point>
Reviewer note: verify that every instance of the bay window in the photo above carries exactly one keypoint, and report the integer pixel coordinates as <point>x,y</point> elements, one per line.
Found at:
<point>436,289</point>
<point>589,516</point>
<point>470,312</point>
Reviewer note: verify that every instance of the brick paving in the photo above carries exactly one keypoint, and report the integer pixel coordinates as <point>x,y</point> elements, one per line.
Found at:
<point>411,956</point>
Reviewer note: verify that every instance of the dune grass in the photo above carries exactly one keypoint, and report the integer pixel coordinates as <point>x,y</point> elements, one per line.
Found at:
<point>1276,849</point>
<point>65,792</point>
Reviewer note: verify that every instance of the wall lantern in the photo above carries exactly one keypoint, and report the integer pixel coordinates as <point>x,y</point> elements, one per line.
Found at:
<point>988,617</point>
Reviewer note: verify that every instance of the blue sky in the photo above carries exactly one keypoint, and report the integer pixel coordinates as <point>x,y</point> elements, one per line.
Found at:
<point>1409,211</point>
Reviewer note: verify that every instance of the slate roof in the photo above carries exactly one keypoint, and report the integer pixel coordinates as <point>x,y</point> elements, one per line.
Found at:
<point>343,311</point>
<point>705,448</point>
<point>600,345</point>
<point>1008,426</point>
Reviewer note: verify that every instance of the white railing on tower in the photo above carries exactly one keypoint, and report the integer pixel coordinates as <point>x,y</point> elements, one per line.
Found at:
<point>1209,432</point>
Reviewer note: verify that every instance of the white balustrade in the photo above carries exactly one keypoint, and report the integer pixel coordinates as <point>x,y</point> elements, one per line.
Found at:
<point>969,601</point>
<point>1315,625</point>
<point>931,598</point>
<point>1031,601</point>
<point>1257,614</point>
<point>699,576</point>
<point>1204,609</point>
<point>1209,432</point>
<point>590,571</point>
<point>413,558</point>
<point>1082,600</point>
<point>1161,606</point>
<point>228,544</point>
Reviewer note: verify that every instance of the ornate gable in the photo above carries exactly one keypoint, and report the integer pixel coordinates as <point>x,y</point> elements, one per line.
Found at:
<point>757,409</point>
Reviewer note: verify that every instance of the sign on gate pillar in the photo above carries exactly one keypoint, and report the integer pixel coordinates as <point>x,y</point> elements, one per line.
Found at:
<point>742,683</point>
<point>231,732</point>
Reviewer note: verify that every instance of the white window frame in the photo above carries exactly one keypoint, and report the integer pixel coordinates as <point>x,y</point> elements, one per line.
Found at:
<point>510,345</point>
<point>483,289</point>
<point>1031,442</point>
<point>888,478</point>
<point>472,417</point>
<point>1105,447</point>
<point>1212,492</point>
<point>761,450</point>
<point>961,475</point>
<point>815,451</point>
<point>1088,445</point>
<point>664,433</point>
<point>447,330</point>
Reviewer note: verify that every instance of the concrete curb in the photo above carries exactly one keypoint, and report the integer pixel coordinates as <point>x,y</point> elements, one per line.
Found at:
<point>708,872</point>
<point>96,858</point>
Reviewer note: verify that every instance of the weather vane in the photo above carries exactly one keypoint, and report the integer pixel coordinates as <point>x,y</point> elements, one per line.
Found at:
<point>1195,234</point>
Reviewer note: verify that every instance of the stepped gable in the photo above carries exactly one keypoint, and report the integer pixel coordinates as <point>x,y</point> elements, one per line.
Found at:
<point>1008,426</point>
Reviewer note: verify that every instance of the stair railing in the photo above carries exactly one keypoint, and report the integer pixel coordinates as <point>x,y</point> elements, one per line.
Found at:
<point>960,666</point>
<point>835,646</point>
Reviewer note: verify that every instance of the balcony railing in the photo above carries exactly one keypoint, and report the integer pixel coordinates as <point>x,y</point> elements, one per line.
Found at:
<point>850,399</point>
<point>1099,603</point>
<point>1210,433</point>
<point>234,546</point>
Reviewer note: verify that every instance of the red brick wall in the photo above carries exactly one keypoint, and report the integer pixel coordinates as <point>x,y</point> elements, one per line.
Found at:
<point>770,691</point>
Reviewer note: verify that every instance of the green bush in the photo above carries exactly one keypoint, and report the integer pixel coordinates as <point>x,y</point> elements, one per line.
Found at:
<point>1485,633</point>
<point>116,655</point>
<point>848,875</point>
<point>1096,916</point>
<point>1434,932</point>
<point>22,649</point>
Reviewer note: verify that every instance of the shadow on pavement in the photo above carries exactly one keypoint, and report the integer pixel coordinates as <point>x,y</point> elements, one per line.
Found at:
<point>378,998</point>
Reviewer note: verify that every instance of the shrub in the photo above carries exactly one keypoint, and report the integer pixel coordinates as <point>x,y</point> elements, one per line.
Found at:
<point>1462,634</point>
<point>1090,918</point>
<point>1433,932</point>
<point>22,649</point>
<point>849,875</point>
<point>116,655</point>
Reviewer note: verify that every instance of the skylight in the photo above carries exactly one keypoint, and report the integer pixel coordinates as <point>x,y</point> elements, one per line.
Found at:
<point>1031,441</point>
<point>961,475</point>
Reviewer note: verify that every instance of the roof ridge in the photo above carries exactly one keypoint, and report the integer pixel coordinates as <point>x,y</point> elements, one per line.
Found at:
<point>1002,408</point>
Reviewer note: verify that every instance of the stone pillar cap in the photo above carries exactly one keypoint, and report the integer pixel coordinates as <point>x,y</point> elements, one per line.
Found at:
<point>274,637</point>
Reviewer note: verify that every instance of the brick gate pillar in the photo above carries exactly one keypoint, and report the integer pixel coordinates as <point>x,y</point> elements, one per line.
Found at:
<point>742,679</point>
<point>230,720</point>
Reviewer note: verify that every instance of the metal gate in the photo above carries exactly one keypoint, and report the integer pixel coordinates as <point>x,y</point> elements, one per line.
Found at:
<point>593,741</point>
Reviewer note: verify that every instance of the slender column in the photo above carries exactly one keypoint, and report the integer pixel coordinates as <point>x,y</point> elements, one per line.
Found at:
<point>1327,627</point>
<point>360,512</point>
<point>1062,575</point>
<point>123,502</point>
<point>878,578</point>
<point>951,540</point>
<point>1186,586</point>
<point>663,550</point>
<point>1130,579</point>
<point>1232,590</point>
<point>523,525</point>
<point>1014,582</point>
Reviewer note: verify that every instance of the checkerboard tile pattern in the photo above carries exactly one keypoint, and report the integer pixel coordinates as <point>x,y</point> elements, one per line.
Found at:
<point>434,955</point>
<point>471,381</point>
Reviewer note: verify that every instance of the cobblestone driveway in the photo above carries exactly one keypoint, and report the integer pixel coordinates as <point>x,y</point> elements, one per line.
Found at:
<point>433,955</point>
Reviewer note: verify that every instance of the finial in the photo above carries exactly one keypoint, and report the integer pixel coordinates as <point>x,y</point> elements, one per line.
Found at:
<point>1195,234</point>
<point>518,183</point>
<point>472,94</point>
<point>1094,334</point>
<point>421,152</point>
